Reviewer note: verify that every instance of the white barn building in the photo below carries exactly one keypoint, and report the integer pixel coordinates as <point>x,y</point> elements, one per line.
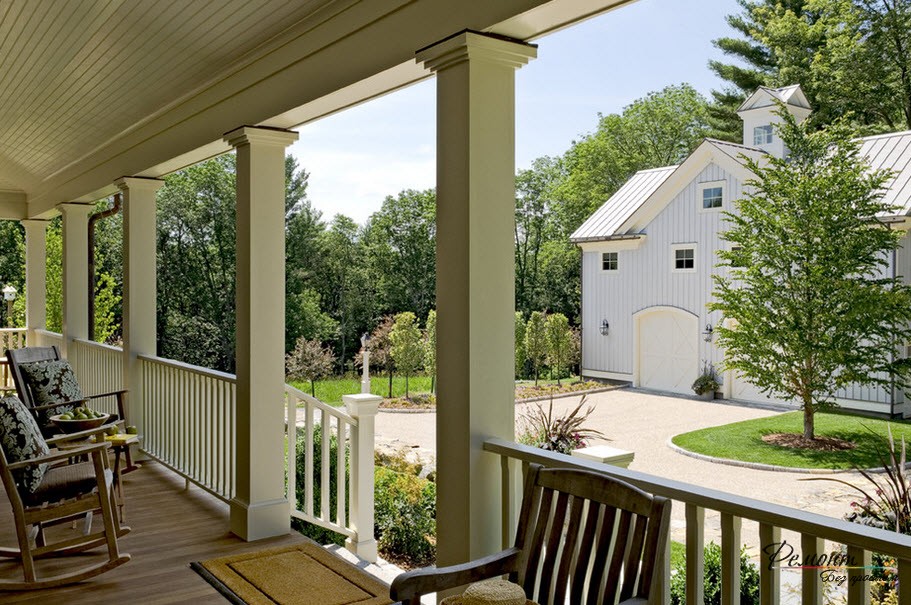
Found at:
<point>649,253</point>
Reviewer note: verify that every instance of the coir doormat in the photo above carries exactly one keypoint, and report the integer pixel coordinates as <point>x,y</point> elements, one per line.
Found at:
<point>304,574</point>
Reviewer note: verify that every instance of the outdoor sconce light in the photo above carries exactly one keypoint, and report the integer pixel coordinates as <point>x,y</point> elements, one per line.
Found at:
<point>9,295</point>
<point>605,327</point>
<point>709,330</point>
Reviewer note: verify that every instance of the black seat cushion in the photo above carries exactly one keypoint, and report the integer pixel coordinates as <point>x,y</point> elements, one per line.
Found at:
<point>21,439</point>
<point>69,481</point>
<point>50,382</point>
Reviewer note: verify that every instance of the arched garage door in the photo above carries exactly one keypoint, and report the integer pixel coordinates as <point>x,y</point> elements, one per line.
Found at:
<point>668,345</point>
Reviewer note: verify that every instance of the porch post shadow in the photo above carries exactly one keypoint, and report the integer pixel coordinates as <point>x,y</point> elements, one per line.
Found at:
<point>475,79</point>
<point>260,508</point>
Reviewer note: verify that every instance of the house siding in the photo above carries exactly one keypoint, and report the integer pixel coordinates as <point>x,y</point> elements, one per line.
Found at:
<point>645,277</point>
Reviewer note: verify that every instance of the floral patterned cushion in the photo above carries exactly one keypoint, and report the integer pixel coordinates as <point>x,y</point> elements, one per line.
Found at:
<point>50,382</point>
<point>21,439</point>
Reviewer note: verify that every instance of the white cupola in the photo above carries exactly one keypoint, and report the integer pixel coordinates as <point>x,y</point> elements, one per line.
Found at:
<point>759,116</point>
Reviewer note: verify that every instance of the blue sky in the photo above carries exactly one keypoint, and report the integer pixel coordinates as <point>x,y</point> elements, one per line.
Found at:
<point>357,157</point>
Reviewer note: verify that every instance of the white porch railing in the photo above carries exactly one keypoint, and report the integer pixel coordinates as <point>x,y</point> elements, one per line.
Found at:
<point>352,514</point>
<point>861,541</point>
<point>189,422</point>
<point>10,338</point>
<point>44,338</point>
<point>99,369</point>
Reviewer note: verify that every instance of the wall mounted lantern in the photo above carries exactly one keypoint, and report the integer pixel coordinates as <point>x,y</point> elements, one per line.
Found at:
<point>605,327</point>
<point>709,331</point>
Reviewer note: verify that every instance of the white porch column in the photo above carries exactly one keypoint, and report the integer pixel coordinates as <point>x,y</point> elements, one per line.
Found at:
<point>475,282</point>
<point>75,272</point>
<point>140,286</point>
<point>35,277</point>
<point>260,508</point>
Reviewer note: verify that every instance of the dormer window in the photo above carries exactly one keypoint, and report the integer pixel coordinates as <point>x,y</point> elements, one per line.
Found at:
<point>762,135</point>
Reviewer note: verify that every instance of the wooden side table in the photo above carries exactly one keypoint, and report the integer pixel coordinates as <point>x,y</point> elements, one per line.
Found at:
<point>121,443</point>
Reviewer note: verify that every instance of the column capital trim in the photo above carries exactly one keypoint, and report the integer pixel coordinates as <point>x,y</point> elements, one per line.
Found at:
<point>75,208</point>
<point>34,222</point>
<point>138,183</point>
<point>473,45</point>
<point>247,135</point>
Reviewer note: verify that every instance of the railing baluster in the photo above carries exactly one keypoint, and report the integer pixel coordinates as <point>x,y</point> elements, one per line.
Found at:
<point>811,588</point>
<point>308,467</point>
<point>769,574</point>
<point>324,484</point>
<point>695,554</point>
<point>340,473</point>
<point>730,559</point>
<point>859,590</point>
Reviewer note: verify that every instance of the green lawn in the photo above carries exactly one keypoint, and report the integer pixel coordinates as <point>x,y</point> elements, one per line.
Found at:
<point>331,391</point>
<point>743,440</point>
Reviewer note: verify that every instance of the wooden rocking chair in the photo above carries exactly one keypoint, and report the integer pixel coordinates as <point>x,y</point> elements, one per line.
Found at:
<point>66,493</point>
<point>581,535</point>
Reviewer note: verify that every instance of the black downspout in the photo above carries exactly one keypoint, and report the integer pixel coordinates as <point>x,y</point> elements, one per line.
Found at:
<point>92,220</point>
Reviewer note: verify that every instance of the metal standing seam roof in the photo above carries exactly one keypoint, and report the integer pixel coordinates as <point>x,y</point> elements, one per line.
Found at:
<point>892,152</point>
<point>884,152</point>
<point>614,212</point>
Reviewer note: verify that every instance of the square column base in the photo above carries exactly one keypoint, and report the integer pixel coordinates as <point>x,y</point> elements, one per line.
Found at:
<point>260,520</point>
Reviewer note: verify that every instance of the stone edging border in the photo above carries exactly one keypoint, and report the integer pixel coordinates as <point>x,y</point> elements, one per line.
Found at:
<point>768,467</point>
<point>518,401</point>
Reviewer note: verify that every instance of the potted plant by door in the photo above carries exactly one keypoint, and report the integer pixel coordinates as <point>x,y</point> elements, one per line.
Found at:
<point>707,383</point>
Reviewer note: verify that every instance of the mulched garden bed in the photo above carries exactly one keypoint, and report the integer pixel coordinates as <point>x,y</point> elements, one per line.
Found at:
<point>425,401</point>
<point>796,441</point>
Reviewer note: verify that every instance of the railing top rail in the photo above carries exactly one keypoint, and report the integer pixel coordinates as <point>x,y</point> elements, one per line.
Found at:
<point>97,345</point>
<point>186,367</point>
<point>338,412</point>
<point>13,329</point>
<point>828,528</point>
<point>44,332</point>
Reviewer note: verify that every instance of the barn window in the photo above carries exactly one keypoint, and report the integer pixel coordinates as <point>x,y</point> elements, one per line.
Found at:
<point>712,195</point>
<point>609,261</point>
<point>684,258</point>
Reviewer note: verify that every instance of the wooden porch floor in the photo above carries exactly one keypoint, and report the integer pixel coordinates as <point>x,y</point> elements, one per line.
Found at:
<point>171,527</point>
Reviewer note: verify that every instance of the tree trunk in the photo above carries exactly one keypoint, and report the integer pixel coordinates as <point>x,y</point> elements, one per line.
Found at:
<point>313,388</point>
<point>808,412</point>
<point>406,386</point>
<point>390,383</point>
<point>536,375</point>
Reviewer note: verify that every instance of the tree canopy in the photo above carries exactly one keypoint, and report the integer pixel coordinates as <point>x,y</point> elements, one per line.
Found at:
<point>811,304</point>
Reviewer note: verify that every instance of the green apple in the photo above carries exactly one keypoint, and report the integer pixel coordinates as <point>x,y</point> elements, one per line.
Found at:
<point>132,430</point>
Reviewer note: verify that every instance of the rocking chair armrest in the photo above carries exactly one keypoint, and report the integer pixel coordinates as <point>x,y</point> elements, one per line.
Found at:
<point>109,394</point>
<point>410,585</point>
<point>60,455</point>
<point>83,434</point>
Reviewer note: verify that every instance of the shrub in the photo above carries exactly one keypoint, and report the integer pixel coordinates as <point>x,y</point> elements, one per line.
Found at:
<point>749,578</point>
<point>405,517</point>
<point>557,434</point>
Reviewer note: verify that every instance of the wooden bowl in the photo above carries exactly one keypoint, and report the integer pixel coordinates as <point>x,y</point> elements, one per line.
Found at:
<point>74,426</point>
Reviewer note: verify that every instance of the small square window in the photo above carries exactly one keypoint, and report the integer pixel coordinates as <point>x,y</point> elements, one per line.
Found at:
<point>609,261</point>
<point>712,197</point>
<point>762,135</point>
<point>684,259</point>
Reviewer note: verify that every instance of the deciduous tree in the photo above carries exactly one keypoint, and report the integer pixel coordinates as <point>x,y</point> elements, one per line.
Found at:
<point>811,299</point>
<point>309,360</point>
<point>536,341</point>
<point>407,350</point>
<point>430,348</point>
<point>559,344</point>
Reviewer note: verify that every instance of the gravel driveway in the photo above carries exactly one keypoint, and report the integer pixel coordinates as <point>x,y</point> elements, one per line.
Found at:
<point>643,422</point>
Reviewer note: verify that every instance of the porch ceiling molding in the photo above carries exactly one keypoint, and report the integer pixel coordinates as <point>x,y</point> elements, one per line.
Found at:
<point>342,54</point>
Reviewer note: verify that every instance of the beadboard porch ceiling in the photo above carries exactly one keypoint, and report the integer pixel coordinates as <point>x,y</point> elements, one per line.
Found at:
<point>94,90</point>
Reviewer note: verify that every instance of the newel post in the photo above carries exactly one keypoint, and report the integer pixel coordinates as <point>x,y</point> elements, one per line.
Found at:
<point>363,408</point>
